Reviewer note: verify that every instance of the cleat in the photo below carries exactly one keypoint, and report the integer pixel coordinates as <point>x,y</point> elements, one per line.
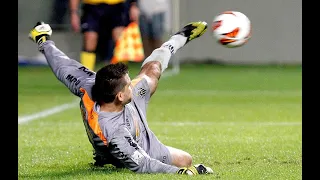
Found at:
<point>193,30</point>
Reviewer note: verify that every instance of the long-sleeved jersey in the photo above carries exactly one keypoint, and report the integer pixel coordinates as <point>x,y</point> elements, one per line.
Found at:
<point>123,135</point>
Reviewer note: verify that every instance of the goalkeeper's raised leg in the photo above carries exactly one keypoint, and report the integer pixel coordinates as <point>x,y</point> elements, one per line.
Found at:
<point>69,71</point>
<point>188,33</point>
<point>154,65</point>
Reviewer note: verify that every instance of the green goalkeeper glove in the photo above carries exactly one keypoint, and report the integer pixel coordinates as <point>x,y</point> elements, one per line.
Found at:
<point>196,169</point>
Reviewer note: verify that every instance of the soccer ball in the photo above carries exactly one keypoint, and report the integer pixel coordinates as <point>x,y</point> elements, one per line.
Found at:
<point>231,29</point>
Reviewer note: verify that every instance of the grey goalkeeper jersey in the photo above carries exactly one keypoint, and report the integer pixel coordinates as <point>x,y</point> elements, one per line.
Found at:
<point>124,136</point>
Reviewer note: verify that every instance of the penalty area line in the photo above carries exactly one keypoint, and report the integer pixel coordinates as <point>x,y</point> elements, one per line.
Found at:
<point>47,112</point>
<point>225,123</point>
<point>63,107</point>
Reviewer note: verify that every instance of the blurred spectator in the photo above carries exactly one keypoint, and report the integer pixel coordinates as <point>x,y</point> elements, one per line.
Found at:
<point>151,22</point>
<point>107,45</point>
<point>104,18</point>
<point>58,15</point>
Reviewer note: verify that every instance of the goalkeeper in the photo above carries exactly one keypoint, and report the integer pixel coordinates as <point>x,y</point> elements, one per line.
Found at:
<point>113,107</point>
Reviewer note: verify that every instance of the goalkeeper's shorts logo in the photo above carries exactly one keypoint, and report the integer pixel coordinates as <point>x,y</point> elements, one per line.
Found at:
<point>137,157</point>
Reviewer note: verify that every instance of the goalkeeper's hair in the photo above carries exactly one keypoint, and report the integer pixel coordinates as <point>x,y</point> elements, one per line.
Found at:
<point>109,81</point>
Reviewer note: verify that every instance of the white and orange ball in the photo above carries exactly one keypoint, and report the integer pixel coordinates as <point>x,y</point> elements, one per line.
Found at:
<point>231,29</point>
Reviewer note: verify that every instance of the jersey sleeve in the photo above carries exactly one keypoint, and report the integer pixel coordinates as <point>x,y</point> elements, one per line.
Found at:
<point>128,152</point>
<point>69,71</point>
<point>141,93</point>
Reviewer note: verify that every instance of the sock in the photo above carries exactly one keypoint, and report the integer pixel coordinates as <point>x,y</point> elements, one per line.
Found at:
<point>175,43</point>
<point>163,53</point>
<point>88,59</point>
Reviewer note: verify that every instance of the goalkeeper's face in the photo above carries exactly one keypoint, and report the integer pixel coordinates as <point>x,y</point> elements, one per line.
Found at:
<point>125,94</point>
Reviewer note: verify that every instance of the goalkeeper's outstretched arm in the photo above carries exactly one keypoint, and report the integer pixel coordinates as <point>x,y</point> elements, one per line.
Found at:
<point>70,72</point>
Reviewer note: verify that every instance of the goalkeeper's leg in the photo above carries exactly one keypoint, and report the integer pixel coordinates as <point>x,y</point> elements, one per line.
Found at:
<point>179,157</point>
<point>189,32</point>
<point>57,60</point>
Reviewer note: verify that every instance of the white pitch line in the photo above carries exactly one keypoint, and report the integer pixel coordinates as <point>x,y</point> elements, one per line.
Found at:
<point>47,112</point>
<point>205,123</point>
<point>190,92</point>
<point>63,107</point>
<point>225,123</point>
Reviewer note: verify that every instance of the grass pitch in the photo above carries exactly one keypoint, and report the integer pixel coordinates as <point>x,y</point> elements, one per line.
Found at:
<point>243,121</point>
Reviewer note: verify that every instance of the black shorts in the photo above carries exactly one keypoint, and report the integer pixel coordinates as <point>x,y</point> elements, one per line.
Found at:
<point>102,17</point>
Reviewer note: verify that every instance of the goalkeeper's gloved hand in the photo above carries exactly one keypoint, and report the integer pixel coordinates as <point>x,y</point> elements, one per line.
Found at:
<point>40,33</point>
<point>196,169</point>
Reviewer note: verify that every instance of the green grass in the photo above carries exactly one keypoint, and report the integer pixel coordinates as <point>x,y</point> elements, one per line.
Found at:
<point>243,121</point>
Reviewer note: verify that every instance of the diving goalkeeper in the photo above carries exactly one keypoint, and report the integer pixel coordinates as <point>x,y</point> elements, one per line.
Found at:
<point>113,107</point>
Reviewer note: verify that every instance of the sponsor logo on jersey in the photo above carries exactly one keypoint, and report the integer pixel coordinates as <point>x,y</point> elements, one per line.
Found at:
<point>142,92</point>
<point>72,79</point>
<point>84,69</point>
